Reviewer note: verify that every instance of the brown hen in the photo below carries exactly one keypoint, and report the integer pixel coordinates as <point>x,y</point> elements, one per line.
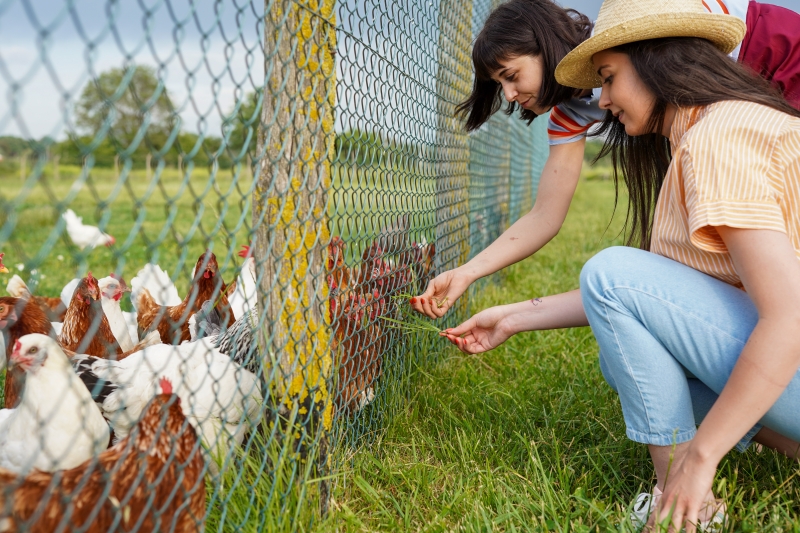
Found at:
<point>86,329</point>
<point>150,481</point>
<point>172,322</point>
<point>19,317</point>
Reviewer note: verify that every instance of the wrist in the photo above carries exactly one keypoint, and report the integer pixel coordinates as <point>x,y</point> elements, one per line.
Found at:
<point>469,272</point>
<point>513,320</point>
<point>699,455</point>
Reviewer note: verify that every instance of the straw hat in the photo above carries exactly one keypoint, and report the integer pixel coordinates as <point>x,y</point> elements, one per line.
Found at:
<point>627,21</point>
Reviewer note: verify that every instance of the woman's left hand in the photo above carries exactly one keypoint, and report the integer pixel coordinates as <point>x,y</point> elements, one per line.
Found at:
<point>685,501</point>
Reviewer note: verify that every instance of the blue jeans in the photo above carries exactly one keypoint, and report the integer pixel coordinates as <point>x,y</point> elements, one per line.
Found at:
<point>669,337</point>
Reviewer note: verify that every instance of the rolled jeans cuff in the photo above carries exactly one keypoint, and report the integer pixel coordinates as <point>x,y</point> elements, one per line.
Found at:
<point>748,437</point>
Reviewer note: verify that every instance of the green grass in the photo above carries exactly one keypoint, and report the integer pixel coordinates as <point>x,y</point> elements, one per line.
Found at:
<point>529,437</point>
<point>170,219</point>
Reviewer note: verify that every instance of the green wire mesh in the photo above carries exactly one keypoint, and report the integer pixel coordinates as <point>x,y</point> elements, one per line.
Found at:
<point>318,134</point>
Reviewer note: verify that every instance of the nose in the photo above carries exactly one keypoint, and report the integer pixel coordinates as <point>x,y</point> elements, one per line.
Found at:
<point>509,91</point>
<point>605,100</point>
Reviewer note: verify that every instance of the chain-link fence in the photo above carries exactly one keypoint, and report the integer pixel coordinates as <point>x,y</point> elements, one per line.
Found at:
<point>212,216</point>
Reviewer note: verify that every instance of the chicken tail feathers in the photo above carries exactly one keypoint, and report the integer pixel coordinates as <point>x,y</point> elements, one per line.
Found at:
<point>158,283</point>
<point>17,288</point>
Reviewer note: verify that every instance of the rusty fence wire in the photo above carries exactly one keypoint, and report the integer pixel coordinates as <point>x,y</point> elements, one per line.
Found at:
<point>212,213</point>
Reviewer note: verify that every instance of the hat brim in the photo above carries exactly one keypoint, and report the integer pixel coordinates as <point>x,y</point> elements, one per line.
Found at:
<point>577,70</point>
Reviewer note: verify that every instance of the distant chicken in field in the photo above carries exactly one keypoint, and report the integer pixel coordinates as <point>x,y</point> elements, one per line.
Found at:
<point>57,425</point>
<point>86,328</point>
<point>83,235</point>
<point>172,322</point>
<point>53,307</point>
<point>17,318</point>
<point>150,481</point>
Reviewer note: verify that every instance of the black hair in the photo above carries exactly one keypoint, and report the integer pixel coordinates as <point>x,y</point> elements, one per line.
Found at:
<point>540,28</point>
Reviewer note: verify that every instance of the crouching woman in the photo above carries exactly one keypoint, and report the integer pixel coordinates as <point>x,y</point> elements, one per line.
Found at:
<point>699,325</point>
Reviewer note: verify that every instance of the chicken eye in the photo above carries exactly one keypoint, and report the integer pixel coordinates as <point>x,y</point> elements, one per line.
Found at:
<point>32,350</point>
<point>2,308</point>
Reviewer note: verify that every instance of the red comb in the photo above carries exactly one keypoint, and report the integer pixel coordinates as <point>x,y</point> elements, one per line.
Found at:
<point>112,275</point>
<point>245,251</point>
<point>166,386</point>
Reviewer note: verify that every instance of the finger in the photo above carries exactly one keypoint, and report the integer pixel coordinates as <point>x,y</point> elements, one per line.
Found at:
<point>426,307</point>
<point>458,342</point>
<point>462,328</point>
<point>440,307</point>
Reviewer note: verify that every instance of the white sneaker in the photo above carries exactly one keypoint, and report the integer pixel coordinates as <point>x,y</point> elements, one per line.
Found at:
<point>644,505</point>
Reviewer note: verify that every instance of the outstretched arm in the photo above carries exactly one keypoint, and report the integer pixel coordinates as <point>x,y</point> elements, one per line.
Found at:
<point>492,327</point>
<point>524,238</point>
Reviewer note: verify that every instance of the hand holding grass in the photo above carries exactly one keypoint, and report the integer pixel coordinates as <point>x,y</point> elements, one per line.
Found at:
<point>441,294</point>
<point>483,332</point>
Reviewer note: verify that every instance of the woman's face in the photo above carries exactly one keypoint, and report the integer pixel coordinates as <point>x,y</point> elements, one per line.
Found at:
<point>521,79</point>
<point>624,93</point>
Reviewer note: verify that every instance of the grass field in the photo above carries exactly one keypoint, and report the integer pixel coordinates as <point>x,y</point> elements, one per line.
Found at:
<point>529,437</point>
<point>525,438</point>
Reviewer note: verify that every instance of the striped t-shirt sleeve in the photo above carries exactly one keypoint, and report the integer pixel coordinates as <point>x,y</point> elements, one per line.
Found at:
<point>569,121</point>
<point>729,175</point>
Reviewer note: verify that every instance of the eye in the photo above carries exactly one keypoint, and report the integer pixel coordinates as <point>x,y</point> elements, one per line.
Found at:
<point>511,77</point>
<point>607,80</point>
<point>2,308</point>
<point>33,349</point>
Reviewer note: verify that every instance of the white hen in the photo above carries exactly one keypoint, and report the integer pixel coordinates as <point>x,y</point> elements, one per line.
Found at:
<point>56,425</point>
<point>221,399</point>
<point>244,297</point>
<point>84,235</point>
<point>158,283</point>
<point>111,290</point>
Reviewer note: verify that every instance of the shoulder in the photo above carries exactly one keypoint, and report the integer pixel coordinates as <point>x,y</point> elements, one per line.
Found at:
<point>746,122</point>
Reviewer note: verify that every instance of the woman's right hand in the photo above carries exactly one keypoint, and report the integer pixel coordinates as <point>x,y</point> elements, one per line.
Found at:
<point>482,332</point>
<point>441,294</point>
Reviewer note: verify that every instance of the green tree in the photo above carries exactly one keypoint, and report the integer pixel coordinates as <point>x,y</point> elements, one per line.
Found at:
<point>242,123</point>
<point>127,98</point>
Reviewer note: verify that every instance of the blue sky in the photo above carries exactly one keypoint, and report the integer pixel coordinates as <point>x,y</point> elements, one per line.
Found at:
<point>208,55</point>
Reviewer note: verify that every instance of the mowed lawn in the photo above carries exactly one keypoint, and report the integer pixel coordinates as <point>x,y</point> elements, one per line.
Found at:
<point>529,437</point>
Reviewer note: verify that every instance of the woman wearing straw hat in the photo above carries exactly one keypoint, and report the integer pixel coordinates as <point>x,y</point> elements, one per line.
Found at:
<point>515,56</point>
<point>710,155</point>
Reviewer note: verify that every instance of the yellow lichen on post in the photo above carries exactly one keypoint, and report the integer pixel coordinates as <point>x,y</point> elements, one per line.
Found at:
<point>298,141</point>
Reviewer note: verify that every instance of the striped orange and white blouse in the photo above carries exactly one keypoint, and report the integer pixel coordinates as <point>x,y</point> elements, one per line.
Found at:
<point>733,164</point>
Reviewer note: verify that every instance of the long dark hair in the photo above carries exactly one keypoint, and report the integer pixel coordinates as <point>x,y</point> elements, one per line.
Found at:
<point>516,28</point>
<point>684,72</point>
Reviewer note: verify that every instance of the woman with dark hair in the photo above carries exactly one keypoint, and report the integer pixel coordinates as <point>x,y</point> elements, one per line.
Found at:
<point>702,329</point>
<point>515,56</point>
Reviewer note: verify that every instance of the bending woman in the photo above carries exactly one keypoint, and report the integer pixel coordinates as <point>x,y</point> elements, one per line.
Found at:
<point>515,56</point>
<point>699,326</point>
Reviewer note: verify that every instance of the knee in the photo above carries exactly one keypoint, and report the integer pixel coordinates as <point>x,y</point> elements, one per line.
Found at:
<point>606,269</point>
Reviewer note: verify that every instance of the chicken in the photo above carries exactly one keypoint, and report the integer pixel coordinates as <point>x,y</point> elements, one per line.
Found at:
<point>57,425</point>
<point>221,399</point>
<point>111,290</point>
<point>86,328</point>
<point>244,297</point>
<point>359,347</point>
<point>68,291</point>
<point>54,308</point>
<point>3,269</point>
<point>82,235</point>
<point>172,322</point>
<point>17,318</point>
<point>150,481</point>
<point>420,260</point>
<point>158,283</point>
